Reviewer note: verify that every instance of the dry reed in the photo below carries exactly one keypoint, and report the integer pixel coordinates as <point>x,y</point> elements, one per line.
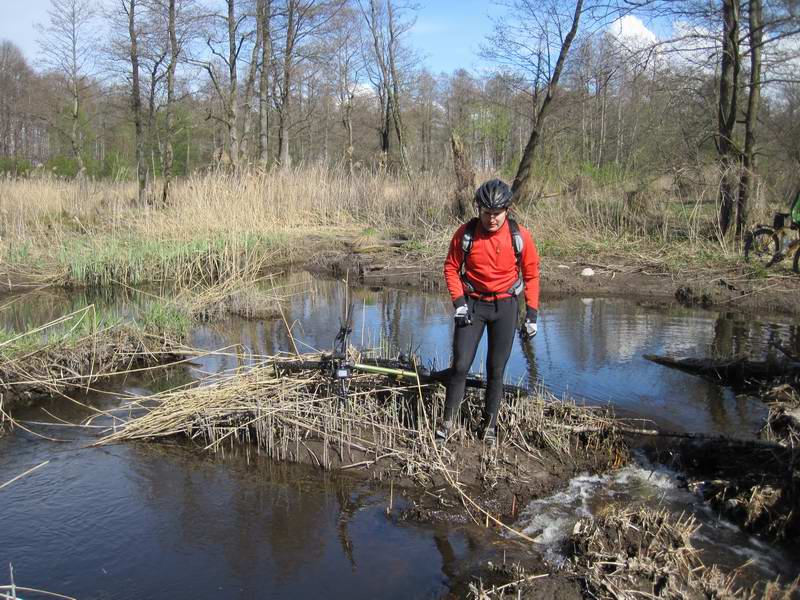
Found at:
<point>51,368</point>
<point>383,426</point>
<point>217,224</point>
<point>628,554</point>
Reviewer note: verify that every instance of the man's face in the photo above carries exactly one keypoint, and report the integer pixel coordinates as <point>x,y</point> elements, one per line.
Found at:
<point>492,220</point>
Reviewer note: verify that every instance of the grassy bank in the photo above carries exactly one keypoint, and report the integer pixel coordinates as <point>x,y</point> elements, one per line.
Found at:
<point>91,233</point>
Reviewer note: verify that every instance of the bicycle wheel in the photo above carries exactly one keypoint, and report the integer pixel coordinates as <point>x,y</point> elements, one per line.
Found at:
<point>761,246</point>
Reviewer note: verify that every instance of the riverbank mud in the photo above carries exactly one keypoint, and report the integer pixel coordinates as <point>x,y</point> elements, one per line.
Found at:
<point>729,289</point>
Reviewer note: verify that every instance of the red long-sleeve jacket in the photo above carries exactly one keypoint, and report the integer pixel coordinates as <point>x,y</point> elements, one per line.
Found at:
<point>491,264</point>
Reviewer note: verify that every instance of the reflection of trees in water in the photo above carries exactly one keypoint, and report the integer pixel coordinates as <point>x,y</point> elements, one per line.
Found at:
<point>248,515</point>
<point>735,337</point>
<point>528,351</point>
<point>739,335</point>
<point>349,503</point>
<point>21,312</point>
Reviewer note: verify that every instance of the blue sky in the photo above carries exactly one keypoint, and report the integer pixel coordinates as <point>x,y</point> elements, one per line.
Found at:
<point>17,18</point>
<point>447,34</point>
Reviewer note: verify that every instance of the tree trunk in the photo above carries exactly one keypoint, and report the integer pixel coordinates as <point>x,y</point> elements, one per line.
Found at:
<point>284,156</point>
<point>753,101</point>
<point>726,113</point>
<point>247,100</point>
<point>465,178</point>
<point>384,83</point>
<point>168,159</point>
<point>136,105</point>
<point>264,16</point>
<point>73,138</point>
<point>522,178</point>
<point>233,90</point>
<point>395,91</point>
<point>347,123</point>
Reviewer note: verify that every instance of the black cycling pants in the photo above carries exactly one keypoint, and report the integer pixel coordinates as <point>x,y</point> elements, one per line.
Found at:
<point>500,318</point>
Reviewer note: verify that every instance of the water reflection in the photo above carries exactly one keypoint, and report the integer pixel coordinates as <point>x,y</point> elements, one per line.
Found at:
<point>144,521</point>
<point>590,349</point>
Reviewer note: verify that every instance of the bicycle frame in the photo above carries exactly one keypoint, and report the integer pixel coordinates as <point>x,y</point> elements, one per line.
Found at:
<point>781,234</point>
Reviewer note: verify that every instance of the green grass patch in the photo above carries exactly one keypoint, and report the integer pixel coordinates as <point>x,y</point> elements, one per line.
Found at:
<point>64,332</point>
<point>110,259</point>
<point>166,318</point>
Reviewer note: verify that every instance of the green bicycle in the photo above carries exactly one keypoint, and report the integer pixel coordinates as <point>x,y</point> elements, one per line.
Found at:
<point>767,245</point>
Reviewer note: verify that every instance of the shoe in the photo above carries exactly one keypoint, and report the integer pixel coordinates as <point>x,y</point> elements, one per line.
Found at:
<point>490,436</point>
<point>443,432</point>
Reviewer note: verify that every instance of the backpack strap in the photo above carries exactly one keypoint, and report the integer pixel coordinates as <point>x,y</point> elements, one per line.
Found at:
<point>518,244</point>
<point>466,246</point>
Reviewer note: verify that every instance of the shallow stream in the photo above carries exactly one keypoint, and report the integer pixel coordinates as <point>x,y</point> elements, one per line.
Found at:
<point>159,521</point>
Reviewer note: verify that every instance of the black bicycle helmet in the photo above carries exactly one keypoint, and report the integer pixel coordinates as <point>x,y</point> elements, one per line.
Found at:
<point>493,195</point>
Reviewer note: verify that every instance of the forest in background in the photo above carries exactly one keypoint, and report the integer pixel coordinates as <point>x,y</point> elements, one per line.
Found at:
<point>151,90</point>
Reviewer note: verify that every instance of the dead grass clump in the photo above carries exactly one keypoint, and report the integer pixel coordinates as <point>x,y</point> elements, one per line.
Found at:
<point>635,553</point>
<point>275,402</point>
<point>506,581</point>
<point>239,296</point>
<point>56,368</point>
<point>293,411</point>
<point>767,509</point>
<point>783,421</point>
<point>565,429</point>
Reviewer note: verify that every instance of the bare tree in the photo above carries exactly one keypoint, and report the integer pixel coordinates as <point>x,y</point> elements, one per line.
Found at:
<point>16,80</point>
<point>756,37</point>
<point>226,83</point>
<point>67,47</point>
<point>727,110</point>
<point>264,35</point>
<point>346,63</point>
<point>301,21</point>
<point>536,42</point>
<point>174,51</point>
<point>386,29</point>
<point>129,8</point>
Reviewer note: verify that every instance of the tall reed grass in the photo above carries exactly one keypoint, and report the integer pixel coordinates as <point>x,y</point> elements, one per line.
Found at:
<point>218,223</point>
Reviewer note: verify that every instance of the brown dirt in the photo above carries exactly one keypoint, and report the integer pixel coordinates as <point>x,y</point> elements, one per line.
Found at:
<point>613,276</point>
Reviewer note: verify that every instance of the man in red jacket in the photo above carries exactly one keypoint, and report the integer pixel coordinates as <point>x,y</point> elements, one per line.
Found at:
<point>491,261</point>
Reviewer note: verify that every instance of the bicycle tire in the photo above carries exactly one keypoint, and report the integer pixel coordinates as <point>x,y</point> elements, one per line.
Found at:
<point>761,246</point>
<point>796,262</point>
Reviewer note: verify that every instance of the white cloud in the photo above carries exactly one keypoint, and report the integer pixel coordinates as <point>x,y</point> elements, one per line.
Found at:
<point>631,32</point>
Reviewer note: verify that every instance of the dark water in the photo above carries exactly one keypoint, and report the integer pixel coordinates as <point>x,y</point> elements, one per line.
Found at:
<point>159,521</point>
<point>587,349</point>
<point>154,521</point>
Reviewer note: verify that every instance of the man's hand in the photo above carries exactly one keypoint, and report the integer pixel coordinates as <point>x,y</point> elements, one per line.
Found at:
<point>462,316</point>
<point>530,329</point>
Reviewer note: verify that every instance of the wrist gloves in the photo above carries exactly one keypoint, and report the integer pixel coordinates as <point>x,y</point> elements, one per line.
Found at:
<point>531,328</point>
<point>462,316</point>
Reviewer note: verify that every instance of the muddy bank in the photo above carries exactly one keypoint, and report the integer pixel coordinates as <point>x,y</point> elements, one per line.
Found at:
<point>731,289</point>
<point>381,429</point>
<point>757,488</point>
<point>61,368</point>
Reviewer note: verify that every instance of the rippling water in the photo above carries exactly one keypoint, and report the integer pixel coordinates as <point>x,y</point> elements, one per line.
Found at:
<point>148,521</point>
